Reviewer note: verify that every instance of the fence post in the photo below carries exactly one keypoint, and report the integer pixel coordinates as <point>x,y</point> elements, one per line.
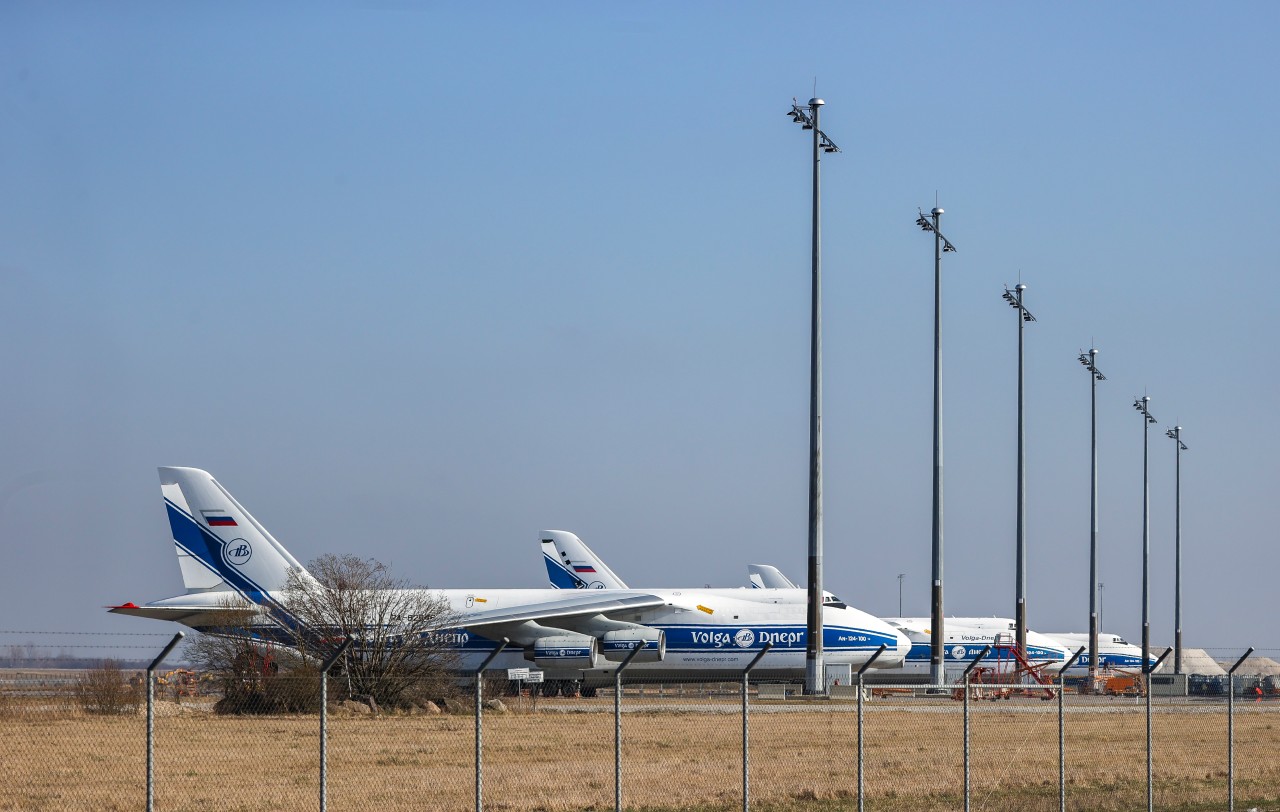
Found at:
<point>985,651</point>
<point>480,715</point>
<point>617,726</point>
<point>862,671</point>
<point>1147,670</point>
<point>324,721</point>
<point>746,672</point>
<point>151,719</point>
<point>1231,731</point>
<point>1062,732</point>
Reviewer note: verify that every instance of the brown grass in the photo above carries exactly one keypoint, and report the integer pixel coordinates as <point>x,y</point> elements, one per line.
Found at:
<point>685,760</point>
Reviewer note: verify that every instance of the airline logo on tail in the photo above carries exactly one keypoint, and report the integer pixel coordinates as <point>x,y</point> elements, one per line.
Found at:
<point>237,552</point>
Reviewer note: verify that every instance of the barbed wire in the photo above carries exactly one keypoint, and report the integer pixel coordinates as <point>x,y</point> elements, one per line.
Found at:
<point>80,645</point>
<point>93,634</point>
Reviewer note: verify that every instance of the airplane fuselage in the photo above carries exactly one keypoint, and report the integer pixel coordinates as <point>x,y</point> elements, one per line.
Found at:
<point>708,632</point>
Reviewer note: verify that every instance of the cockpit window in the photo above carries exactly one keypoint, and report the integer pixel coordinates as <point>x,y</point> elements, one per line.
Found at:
<point>832,600</point>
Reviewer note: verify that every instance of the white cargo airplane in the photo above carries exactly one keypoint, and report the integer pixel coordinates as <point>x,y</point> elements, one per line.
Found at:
<point>224,553</point>
<point>964,639</point>
<point>1113,650</point>
<point>571,564</point>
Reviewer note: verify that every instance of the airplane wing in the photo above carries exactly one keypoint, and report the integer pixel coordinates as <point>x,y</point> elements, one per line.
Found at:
<point>578,605</point>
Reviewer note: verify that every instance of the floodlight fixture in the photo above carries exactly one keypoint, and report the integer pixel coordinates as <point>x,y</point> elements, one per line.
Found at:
<point>808,119</point>
<point>1142,404</point>
<point>925,225</point>
<point>1014,298</point>
<point>1088,361</point>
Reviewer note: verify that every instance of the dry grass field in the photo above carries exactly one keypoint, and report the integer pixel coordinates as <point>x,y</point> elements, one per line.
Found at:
<point>801,759</point>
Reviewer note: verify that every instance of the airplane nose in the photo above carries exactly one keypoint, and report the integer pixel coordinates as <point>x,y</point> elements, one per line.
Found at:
<point>896,652</point>
<point>903,648</point>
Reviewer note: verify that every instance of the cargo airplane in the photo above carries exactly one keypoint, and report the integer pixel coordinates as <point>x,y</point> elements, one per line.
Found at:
<point>571,564</point>
<point>683,634</point>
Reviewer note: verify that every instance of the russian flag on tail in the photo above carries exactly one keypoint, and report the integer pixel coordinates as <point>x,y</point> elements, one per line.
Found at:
<point>218,518</point>
<point>583,568</point>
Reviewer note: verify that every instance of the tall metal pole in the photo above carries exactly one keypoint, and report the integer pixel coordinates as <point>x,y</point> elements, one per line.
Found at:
<point>901,576</point>
<point>1020,607</point>
<point>941,245</point>
<point>1090,362</point>
<point>937,639</point>
<point>1143,404</point>
<point>813,680</point>
<point>1146,545</point>
<point>1175,434</point>
<point>1021,597</point>
<point>813,676</point>
<point>1177,553</point>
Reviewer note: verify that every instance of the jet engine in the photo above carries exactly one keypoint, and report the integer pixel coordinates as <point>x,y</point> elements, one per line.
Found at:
<point>618,644</point>
<point>564,651</point>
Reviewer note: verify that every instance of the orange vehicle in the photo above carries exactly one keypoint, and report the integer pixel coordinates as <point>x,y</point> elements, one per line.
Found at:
<point>1124,684</point>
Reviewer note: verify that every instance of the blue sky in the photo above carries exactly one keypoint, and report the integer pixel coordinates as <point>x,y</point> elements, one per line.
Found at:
<point>417,280</point>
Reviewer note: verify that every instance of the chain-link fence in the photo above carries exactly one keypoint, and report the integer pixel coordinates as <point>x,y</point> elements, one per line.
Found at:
<point>77,739</point>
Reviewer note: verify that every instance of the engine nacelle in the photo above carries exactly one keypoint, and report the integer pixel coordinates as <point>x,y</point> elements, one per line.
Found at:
<point>564,651</point>
<point>618,644</point>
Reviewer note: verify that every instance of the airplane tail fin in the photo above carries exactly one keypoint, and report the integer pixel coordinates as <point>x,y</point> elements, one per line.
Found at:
<point>572,565</point>
<point>220,545</point>
<point>767,576</point>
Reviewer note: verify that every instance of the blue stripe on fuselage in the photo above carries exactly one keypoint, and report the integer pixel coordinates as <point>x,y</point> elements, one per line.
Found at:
<point>701,637</point>
<point>922,651</point>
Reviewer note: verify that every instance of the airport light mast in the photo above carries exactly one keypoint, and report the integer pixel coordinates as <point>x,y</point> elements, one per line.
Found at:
<point>1014,298</point>
<point>1175,434</point>
<point>1142,404</point>
<point>814,682</point>
<point>1089,361</point>
<point>941,245</point>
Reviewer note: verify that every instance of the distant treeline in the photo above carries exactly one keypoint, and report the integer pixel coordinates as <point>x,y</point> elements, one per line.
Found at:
<point>26,656</point>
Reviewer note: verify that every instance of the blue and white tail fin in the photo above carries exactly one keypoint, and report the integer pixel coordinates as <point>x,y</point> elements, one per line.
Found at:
<point>572,565</point>
<point>220,546</point>
<point>767,576</point>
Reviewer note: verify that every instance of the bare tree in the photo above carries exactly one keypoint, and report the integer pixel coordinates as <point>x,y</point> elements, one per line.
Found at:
<point>255,674</point>
<point>107,691</point>
<point>268,658</point>
<point>399,653</point>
